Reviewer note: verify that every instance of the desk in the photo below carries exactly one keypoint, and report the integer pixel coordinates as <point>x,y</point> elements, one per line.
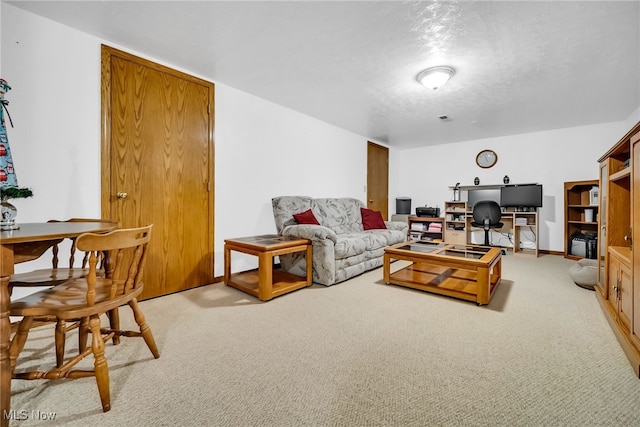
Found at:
<point>27,243</point>
<point>518,224</point>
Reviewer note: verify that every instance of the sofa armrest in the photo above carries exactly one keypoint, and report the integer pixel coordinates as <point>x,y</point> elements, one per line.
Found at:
<point>397,225</point>
<point>308,231</point>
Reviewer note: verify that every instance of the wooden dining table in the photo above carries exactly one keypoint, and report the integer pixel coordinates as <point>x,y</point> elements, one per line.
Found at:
<point>27,243</point>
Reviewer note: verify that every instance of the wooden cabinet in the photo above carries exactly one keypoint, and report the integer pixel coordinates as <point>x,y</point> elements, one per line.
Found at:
<point>620,284</point>
<point>580,215</point>
<point>425,228</point>
<point>455,222</point>
<point>617,290</point>
<point>635,237</point>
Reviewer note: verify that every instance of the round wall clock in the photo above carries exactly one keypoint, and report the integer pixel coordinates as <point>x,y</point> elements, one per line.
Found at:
<point>486,158</point>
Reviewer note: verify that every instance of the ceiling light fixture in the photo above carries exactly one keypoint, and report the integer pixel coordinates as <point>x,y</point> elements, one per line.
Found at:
<point>435,77</point>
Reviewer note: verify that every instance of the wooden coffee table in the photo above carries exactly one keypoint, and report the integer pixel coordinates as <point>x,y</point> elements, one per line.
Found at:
<point>266,282</point>
<point>468,272</point>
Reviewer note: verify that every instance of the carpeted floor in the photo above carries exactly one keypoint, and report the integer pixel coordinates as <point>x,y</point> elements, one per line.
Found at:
<point>360,353</point>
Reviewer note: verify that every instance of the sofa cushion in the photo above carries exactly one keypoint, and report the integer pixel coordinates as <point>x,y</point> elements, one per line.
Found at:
<point>342,215</point>
<point>350,244</point>
<point>390,236</point>
<point>285,206</point>
<point>306,217</point>
<point>374,240</point>
<point>372,220</point>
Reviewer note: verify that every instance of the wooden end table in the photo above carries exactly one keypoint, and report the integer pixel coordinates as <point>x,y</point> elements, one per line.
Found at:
<point>265,282</point>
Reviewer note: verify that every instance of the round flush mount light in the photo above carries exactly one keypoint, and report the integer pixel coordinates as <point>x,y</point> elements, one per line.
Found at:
<point>435,77</point>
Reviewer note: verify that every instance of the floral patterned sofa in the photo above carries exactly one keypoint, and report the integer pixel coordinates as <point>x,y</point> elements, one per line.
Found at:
<point>342,248</point>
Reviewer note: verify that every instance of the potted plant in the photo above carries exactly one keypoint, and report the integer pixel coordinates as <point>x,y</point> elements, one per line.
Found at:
<point>8,212</point>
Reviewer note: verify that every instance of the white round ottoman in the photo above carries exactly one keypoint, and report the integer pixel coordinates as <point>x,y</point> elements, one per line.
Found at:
<point>585,273</point>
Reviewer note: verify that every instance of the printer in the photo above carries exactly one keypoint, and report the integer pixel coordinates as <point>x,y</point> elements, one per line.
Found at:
<point>425,211</point>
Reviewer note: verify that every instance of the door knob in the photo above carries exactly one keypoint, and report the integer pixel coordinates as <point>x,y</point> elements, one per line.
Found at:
<point>121,195</point>
<point>370,201</point>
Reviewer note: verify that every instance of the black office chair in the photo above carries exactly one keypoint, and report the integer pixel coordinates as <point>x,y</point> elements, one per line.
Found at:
<point>486,215</point>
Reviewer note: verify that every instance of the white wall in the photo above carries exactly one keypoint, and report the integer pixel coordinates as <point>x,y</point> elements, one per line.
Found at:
<point>633,119</point>
<point>264,150</point>
<point>55,107</point>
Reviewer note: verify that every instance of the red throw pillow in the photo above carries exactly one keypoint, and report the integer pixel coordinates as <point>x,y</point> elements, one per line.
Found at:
<point>306,217</point>
<point>372,220</point>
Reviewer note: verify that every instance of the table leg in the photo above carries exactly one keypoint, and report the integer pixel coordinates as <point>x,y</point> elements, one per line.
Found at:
<point>386,267</point>
<point>309,265</point>
<point>497,269</point>
<point>227,264</point>
<point>265,276</point>
<point>483,285</point>
<point>5,362</point>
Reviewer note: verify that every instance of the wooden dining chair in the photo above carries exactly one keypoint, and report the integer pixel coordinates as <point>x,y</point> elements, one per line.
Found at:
<point>47,277</point>
<point>90,297</point>
<point>56,274</point>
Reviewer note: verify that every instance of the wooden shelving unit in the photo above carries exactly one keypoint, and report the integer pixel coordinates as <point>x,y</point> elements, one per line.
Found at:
<point>619,226</point>
<point>425,228</point>
<point>580,212</point>
<point>455,222</point>
<point>525,222</point>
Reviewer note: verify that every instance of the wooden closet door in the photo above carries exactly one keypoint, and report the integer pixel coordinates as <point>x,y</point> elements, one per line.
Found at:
<point>378,178</point>
<point>157,166</point>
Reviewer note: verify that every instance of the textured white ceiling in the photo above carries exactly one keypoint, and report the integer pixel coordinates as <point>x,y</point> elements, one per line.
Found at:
<point>520,66</point>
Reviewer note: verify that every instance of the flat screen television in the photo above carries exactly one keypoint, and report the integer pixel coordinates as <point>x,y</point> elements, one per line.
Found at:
<point>479,194</point>
<point>521,196</point>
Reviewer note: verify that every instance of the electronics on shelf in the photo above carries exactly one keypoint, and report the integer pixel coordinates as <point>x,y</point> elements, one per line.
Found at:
<point>427,211</point>
<point>521,196</point>
<point>477,195</point>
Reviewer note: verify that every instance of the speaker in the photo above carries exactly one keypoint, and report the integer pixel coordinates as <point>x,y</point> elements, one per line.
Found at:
<point>403,205</point>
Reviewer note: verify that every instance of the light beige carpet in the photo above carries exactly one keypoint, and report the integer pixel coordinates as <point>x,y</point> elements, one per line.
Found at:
<point>360,353</point>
